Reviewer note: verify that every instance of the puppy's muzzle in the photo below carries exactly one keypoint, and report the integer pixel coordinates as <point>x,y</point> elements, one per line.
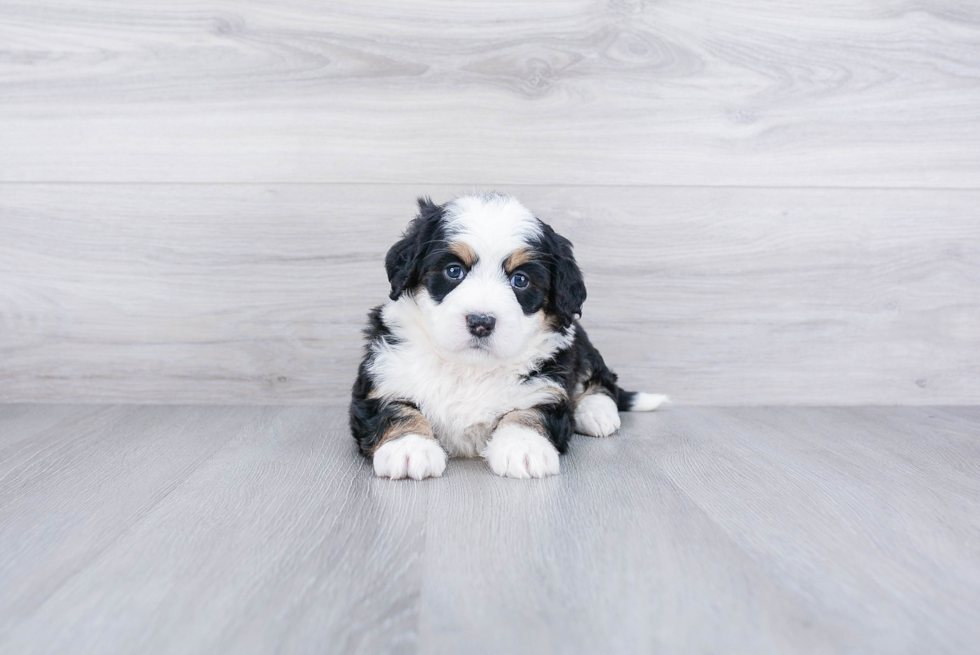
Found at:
<point>480,325</point>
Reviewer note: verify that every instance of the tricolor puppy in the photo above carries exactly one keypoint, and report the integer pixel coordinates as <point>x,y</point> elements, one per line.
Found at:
<point>478,352</point>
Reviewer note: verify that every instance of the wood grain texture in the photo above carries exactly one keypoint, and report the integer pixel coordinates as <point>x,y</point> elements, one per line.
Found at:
<point>257,294</point>
<point>762,530</point>
<point>282,541</point>
<point>880,93</point>
<point>718,530</point>
<point>54,483</point>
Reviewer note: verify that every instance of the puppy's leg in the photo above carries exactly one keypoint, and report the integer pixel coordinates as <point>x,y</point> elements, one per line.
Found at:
<point>596,414</point>
<point>597,407</point>
<point>523,444</point>
<point>410,456</point>
<point>400,441</point>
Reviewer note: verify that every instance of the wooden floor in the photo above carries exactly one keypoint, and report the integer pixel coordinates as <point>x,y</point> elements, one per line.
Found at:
<point>152,529</point>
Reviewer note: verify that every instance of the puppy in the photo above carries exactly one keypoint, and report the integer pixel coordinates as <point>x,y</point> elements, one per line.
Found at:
<point>479,351</point>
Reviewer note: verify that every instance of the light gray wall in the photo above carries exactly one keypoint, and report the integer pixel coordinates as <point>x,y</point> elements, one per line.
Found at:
<point>772,203</point>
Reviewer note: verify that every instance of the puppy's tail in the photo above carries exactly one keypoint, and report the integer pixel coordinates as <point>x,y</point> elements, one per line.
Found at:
<point>626,401</point>
<point>637,401</point>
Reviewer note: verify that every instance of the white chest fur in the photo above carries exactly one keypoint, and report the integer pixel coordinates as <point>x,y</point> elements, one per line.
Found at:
<point>461,401</point>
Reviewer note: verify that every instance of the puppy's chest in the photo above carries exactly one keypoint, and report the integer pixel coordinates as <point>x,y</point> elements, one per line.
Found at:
<point>447,390</point>
<point>461,402</point>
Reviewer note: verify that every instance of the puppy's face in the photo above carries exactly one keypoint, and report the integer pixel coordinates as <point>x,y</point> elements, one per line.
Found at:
<point>487,277</point>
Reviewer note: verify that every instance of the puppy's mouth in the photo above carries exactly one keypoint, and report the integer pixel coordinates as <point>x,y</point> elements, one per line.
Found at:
<point>480,343</point>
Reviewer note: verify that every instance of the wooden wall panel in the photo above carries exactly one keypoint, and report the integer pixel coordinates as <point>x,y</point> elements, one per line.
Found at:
<point>257,293</point>
<point>774,202</point>
<point>881,93</point>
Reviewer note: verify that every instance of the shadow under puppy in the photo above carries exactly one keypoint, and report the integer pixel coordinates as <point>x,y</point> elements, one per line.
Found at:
<point>478,352</point>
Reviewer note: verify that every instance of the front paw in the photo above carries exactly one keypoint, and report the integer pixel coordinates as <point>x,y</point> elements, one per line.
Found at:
<point>515,451</point>
<point>410,456</point>
<point>596,415</point>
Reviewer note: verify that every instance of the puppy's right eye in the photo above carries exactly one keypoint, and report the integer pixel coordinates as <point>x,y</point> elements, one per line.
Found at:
<point>455,272</point>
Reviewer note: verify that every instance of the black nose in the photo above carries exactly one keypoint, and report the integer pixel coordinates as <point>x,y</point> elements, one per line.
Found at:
<point>480,325</point>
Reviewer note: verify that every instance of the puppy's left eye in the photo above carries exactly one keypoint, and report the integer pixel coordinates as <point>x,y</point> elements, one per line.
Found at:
<point>519,281</point>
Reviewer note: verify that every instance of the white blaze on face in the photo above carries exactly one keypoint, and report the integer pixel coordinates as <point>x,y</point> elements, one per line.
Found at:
<point>493,227</point>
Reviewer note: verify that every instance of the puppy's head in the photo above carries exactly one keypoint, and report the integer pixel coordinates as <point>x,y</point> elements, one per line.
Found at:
<point>487,276</point>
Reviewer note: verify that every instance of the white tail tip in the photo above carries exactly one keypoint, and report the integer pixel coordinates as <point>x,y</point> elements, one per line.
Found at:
<point>647,402</point>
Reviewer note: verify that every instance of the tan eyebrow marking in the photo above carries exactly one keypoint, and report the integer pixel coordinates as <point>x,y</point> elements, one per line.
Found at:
<point>464,252</point>
<point>517,258</point>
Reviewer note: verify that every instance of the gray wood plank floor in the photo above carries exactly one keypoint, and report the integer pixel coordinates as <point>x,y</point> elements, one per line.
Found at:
<point>258,529</point>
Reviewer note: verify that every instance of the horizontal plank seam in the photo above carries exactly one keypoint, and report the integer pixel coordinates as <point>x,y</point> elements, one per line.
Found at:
<point>500,184</point>
<point>152,403</point>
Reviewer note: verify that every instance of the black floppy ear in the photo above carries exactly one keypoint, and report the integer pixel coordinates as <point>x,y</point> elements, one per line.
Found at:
<point>403,262</point>
<point>567,293</point>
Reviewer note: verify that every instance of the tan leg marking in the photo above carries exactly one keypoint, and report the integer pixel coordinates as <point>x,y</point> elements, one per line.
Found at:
<point>409,421</point>
<point>527,418</point>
